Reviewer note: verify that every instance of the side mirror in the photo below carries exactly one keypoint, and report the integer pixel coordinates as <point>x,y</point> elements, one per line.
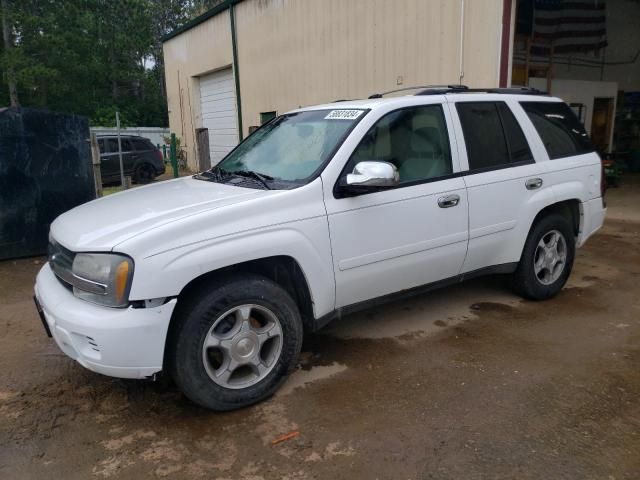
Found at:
<point>374,174</point>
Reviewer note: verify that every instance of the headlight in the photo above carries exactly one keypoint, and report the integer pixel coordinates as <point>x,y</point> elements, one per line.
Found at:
<point>102,278</point>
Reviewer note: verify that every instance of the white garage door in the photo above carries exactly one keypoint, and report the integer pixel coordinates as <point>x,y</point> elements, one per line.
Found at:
<point>218,110</point>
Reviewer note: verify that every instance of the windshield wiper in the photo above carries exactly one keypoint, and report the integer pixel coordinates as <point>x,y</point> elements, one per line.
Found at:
<point>261,177</point>
<point>207,175</point>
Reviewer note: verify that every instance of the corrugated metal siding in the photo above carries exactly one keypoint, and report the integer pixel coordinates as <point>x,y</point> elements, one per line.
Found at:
<point>303,52</point>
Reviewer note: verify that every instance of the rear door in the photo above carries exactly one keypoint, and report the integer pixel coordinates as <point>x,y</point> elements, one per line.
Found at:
<point>502,178</point>
<point>129,156</point>
<point>145,151</point>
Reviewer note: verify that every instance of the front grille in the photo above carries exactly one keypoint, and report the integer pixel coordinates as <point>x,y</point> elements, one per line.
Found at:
<point>61,262</point>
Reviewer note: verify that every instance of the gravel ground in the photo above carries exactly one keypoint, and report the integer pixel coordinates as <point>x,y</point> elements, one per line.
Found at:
<point>464,383</point>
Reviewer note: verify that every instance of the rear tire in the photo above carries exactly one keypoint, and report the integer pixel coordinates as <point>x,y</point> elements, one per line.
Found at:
<point>235,342</point>
<point>547,258</point>
<point>144,173</point>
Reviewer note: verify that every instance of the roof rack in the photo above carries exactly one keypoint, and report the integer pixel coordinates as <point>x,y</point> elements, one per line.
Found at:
<point>446,89</point>
<point>423,88</point>
<point>464,89</point>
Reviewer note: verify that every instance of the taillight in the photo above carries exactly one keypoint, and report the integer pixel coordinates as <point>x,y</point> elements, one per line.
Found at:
<point>160,155</point>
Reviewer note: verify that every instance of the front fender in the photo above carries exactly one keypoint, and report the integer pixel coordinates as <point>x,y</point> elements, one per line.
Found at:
<point>306,241</point>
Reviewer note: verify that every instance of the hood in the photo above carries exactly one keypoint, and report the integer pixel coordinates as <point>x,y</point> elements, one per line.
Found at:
<point>102,224</point>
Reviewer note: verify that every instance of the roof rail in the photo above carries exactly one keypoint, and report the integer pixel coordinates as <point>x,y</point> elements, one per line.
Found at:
<point>423,88</point>
<point>463,89</point>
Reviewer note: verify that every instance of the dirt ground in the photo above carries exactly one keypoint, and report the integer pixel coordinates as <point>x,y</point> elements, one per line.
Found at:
<point>465,383</point>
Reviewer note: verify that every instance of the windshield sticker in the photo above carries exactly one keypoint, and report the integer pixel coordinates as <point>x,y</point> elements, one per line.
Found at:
<point>343,114</point>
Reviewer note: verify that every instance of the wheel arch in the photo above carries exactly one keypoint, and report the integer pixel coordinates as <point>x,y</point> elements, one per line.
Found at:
<point>570,209</point>
<point>284,270</point>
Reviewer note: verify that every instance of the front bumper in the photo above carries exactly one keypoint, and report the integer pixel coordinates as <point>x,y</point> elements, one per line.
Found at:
<point>124,343</point>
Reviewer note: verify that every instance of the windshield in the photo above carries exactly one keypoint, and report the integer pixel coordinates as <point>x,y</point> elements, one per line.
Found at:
<point>292,147</point>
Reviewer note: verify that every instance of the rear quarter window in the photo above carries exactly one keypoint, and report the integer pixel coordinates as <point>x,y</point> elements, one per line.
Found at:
<point>142,144</point>
<point>560,130</point>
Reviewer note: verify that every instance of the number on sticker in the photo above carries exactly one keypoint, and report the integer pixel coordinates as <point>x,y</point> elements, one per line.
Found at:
<point>343,114</point>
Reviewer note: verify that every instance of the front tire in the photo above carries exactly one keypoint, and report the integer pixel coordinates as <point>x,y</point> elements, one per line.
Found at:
<point>235,342</point>
<point>547,259</point>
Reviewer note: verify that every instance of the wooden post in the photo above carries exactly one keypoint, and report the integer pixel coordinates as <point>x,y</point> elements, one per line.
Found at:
<point>95,160</point>
<point>202,142</point>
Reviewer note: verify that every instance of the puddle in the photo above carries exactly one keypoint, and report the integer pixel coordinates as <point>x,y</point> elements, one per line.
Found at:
<point>301,378</point>
<point>425,314</point>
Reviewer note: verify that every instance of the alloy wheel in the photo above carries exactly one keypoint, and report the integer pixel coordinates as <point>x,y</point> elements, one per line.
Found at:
<point>242,346</point>
<point>550,257</point>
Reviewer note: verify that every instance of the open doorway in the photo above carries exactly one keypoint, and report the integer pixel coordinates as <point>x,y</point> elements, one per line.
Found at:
<point>602,123</point>
<point>588,54</point>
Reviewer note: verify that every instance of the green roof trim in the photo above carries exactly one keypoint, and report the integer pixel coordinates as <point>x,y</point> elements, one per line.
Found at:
<point>221,7</point>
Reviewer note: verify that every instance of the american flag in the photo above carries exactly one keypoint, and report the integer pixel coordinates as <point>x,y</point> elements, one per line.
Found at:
<point>569,26</point>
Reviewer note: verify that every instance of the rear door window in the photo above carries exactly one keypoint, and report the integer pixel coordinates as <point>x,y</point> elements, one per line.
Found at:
<point>517,144</point>
<point>560,130</point>
<point>112,145</point>
<point>492,135</point>
<point>126,144</point>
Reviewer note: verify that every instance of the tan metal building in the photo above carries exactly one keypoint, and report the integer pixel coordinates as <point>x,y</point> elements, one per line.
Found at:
<point>247,60</point>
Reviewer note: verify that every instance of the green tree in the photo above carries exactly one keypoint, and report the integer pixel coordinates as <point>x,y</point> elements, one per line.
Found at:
<point>90,57</point>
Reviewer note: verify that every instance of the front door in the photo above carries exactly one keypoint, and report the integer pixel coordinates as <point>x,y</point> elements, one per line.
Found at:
<point>393,239</point>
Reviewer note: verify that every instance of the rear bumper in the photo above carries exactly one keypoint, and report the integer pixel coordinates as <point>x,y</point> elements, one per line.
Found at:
<point>593,213</point>
<point>124,343</point>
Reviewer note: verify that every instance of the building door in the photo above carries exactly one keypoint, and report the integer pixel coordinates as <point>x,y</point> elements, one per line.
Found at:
<point>601,123</point>
<point>218,111</point>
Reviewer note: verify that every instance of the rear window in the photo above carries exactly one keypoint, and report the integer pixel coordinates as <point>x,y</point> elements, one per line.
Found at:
<point>560,130</point>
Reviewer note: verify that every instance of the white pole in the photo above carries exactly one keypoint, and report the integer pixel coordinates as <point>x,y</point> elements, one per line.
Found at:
<point>461,42</point>
<point>120,151</point>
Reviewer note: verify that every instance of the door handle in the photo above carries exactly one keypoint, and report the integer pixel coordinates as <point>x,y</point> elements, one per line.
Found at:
<point>533,183</point>
<point>448,201</point>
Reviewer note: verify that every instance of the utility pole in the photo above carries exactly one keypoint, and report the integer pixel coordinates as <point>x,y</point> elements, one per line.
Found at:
<point>6,38</point>
<point>122,181</point>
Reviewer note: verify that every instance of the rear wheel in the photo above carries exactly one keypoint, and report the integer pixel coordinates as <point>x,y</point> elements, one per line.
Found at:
<point>144,173</point>
<point>547,258</point>
<point>235,343</point>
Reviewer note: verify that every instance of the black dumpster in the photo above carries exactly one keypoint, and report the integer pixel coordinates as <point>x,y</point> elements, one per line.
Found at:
<point>45,170</point>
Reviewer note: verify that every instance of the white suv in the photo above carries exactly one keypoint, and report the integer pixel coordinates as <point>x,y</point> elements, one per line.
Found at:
<point>215,278</point>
